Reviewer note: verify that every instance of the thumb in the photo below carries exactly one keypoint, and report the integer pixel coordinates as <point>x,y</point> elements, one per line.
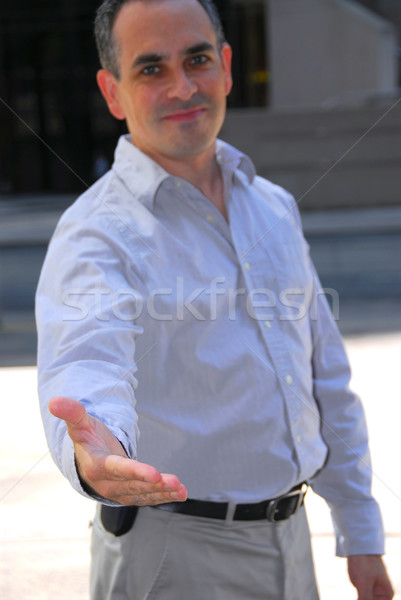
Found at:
<point>84,429</point>
<point>70,411</point>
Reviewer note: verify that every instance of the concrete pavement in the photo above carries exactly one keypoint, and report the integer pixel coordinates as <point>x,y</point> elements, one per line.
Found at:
<point>44,534</point>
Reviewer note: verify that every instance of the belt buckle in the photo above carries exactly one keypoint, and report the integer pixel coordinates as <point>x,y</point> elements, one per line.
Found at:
<point>272,507</point>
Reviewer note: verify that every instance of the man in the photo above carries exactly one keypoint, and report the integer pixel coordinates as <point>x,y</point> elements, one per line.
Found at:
<point>182,266</point>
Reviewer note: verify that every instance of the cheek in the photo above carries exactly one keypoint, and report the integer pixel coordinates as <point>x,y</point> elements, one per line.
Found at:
<point>148,101</point>
<point>138,99</point>
<point>215,87</point>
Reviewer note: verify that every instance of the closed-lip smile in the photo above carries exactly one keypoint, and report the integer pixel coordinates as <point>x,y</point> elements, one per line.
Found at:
<point>185,115</point>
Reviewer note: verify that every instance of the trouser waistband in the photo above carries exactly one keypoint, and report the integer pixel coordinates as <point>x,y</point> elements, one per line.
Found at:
<point>275,509</point>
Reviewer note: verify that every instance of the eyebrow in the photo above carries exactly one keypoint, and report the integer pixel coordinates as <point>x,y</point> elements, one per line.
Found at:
<point>197,48</point>
<point>145,59</point>
<point>152,58</point>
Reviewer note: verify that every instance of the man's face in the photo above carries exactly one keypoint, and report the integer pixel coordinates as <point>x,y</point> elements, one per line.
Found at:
<point>173,79</point>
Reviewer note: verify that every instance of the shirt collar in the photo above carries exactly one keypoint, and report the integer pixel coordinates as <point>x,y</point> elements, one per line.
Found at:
<point>230,159</point>
<point>141,174</point>
<point>144,177</point>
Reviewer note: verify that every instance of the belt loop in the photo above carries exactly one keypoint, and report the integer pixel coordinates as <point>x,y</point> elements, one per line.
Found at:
<point>230,512</point>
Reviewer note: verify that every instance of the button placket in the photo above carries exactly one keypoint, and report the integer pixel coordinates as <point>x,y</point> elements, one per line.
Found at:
<point>278,354</point>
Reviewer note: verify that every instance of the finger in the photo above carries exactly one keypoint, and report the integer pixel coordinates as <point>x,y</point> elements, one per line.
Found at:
<point>127,469</point>
<point>161,488</point>
<point>131,482</point>
<point>165,497</point>
<point>365,590</point>
<point>84,429</point>
<point>171,482</point>
<point>70,411</point>
<point>148,498</point>
<point>134,472</point>
<point>383,590</point>
<point>180,494</point>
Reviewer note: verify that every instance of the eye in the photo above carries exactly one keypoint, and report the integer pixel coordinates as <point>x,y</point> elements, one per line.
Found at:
<point>151,70</point>
<point>201,59</point>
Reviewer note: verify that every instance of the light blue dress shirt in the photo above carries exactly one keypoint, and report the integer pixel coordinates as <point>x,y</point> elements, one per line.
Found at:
<point>206,346</point>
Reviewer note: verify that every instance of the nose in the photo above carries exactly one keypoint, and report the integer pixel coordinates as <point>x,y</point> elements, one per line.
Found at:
<point>182,86</point>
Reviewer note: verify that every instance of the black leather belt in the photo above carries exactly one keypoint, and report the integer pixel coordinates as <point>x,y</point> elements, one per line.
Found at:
<point>277,509</point>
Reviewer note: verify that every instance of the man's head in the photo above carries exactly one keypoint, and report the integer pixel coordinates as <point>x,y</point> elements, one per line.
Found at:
<point>173,80</point>
<point>107,47</point>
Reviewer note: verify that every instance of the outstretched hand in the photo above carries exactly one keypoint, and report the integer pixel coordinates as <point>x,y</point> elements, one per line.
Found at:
<point>368,574</point>
<point>104,466</point>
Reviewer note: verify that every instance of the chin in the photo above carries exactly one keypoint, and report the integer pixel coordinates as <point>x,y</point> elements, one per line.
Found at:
<point>191,147</point>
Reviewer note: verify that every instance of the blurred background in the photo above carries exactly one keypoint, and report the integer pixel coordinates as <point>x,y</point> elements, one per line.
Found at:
<point>316,104</point>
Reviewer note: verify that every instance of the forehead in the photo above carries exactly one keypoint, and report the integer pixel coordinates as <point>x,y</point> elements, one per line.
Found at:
<point>144,26</point>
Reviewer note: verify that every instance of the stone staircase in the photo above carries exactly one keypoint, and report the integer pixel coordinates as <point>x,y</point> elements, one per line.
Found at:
<point>334,157</point>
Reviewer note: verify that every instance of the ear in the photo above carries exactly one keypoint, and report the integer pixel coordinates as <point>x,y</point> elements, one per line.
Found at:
<point>109,87</point>
<point>226,57</point>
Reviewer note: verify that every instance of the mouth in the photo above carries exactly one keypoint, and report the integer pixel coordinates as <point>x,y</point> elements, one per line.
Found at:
<point>185,115</point>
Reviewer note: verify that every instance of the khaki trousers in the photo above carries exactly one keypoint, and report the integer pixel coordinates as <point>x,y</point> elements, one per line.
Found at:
<point>169,556</point>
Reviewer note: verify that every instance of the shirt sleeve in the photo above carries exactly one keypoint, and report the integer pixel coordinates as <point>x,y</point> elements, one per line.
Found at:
<point>346,477</point>
<point>85,313</point>
<point>345,480</point>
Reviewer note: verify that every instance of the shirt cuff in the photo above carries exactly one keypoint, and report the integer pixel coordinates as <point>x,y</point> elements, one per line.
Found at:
<point>358,528</point>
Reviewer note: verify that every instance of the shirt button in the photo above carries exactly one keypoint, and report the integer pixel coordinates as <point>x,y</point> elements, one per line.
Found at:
<point>247,266</point>
<point>268,325</point>
<point>178,184</point>
<point>289,379</point>
<point>298,439</point>
<point>210,218</point>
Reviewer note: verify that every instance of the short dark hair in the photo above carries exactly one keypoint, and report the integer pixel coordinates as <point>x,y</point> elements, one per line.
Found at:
<point>106,16</point>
